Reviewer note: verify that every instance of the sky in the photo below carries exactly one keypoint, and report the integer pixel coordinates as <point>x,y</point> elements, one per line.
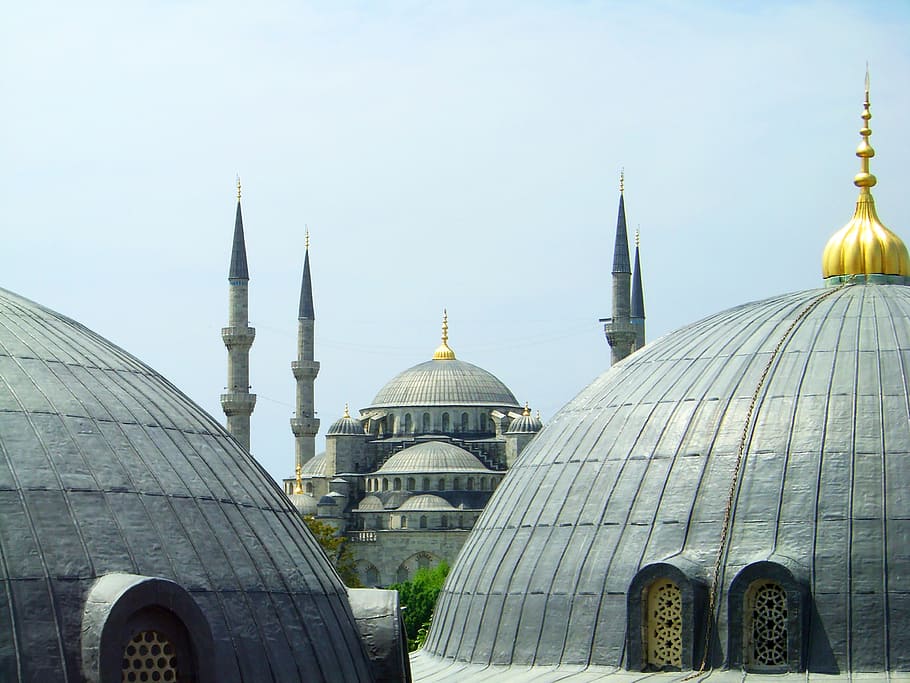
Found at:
<point>457,155</point>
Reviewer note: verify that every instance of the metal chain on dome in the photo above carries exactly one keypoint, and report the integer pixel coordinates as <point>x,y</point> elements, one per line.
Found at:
<point>737,469</point>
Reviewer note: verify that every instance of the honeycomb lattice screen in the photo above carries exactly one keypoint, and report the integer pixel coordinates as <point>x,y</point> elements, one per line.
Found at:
<point>150,658</point>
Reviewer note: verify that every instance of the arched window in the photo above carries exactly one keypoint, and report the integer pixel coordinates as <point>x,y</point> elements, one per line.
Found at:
<point>412,485</point>
<point>445,422</point>
<point>151,656</point>
<point>663,631</point>
<point>441,484</point>
<point>396,484</point>
<point>372,576</point>
<point>408,424</point>
<point>765,626</point>
<point>456,484</point>
<point>423,521</point>
<point>465,422</point>
<point>404,521</point>
<point>483,483</point>
<point>426,423</point>
<point>483,422</point>
<point>470,483</point>
<point>385,484</point>
<point>426,484</point>
<point>309,488</point>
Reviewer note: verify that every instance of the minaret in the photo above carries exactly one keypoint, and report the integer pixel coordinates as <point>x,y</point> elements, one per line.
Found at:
<point>238,402</point>
<point>304,423</point>
<point>618,330</point>
<point>637,310</point>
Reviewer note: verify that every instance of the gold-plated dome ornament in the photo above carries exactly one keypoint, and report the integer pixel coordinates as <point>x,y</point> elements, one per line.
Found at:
<point>443,352</point>
<point>864,247</point>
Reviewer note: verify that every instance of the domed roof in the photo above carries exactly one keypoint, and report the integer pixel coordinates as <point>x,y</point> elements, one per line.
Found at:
<point>525,423</point>
<point>444,381</point>
<point>432,456</point>
<point>370,503</point>
<point>117,495</point>
<point>314,467</point>
<point>346,425</point>
<point>304,502</point>
<point>636,472</point>
<point>426,501</point>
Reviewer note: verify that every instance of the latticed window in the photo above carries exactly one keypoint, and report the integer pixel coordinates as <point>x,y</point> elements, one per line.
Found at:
<point>150,656</point>
<point>765,636</point>
<point>664,625</point>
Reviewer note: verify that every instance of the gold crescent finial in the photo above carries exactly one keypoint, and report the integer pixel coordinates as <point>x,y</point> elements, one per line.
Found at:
<point>527,411</point>
<point>346,413</point>
<point>443,352</point>
<point>238,187</point>
<point>622,180</point>
<point>306,237</point>
<point>864,179</point>
<point>298,485</point>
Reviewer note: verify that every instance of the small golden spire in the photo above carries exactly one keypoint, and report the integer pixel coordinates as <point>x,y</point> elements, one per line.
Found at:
<point>637,237</point>
<point>622,180</point>
<point>444,352</point>
<point>346,413</point>
<point>298,485</point>
<point>306,237</point>
<point>865,246</point>
<point>527,411</point>
<point>238,187</point>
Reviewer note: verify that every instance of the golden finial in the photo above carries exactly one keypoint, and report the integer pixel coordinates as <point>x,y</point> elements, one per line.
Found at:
<point>527,411</point>
<point>346,413</point>
<point>238,187</point>
<point>637,237</point>
<point>298,485</point>
<point>622,179</point>
<point>443,352</point>
<point>865,246</point>
<point>306,237</point>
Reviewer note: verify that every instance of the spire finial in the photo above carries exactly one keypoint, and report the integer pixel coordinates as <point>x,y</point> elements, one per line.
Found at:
<point>347,414</point>
<point>443,352</point>
<point>298,484</point>
<point>864,179</point>
<point>637,237</point>
<point>306,237</point>
<point>622,180</point>
<point>238,187</point>
<point>527,411</point>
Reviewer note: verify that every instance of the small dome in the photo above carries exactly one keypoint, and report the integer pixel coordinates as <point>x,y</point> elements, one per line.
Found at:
<point>371,503</point>
<point>315,467</point>
<point>865,246</point>
<point>433,456</point>
<point>346,425</point>
<point>327,499</point>
<point>525,423</point>
<point>426,501</point>
<point>304,502</point>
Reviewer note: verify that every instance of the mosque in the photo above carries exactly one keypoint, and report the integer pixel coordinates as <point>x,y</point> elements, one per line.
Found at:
<point>727,503</point>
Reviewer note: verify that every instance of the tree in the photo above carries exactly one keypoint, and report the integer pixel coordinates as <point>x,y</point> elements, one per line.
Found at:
<point>336,548</point>
<point>418,600</point>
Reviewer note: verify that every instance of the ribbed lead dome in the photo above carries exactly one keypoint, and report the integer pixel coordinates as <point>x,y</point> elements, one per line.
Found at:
<point>629,482</point>
<point>113,480</point>
<point>433,456</point>
<point>444,383</point>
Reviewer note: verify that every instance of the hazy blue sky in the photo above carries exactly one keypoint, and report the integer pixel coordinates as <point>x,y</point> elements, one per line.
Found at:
<point>462,155</point>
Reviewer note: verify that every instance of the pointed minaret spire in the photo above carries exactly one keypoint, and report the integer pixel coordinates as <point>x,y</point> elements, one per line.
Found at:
<point>237,402</point>
<point>304,424</point>
<point>618,330</point>
<point>637,309</point>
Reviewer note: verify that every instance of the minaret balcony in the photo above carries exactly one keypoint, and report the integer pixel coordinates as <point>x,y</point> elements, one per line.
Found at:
<point>234,337</point>
<point>305,369</point>
<point>304,426</point>
<point>237,403</point>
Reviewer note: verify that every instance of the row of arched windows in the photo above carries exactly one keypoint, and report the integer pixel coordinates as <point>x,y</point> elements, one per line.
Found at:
<point>666,620</point>
<point>478,483</point>
<point>447,423</point>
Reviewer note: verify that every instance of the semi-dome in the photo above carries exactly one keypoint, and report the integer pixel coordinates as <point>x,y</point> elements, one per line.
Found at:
<point>426,501</point>
<point>129,517</point>
<point>314,467</point>
<point>444,381</point>
<point>304,503</point>
<point>371,503</point>
<point>432,456</point>
<point>346,425</point>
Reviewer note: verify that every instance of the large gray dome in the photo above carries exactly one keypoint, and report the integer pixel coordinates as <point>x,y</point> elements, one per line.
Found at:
<point>444,383</point>
<point>432,456</point>
<point>629,483</point>
<point>122,502</point>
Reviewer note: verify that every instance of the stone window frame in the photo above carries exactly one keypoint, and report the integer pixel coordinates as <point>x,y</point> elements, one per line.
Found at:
<point>119,606</point>
<point>797,597</point>
<point>692,593</point>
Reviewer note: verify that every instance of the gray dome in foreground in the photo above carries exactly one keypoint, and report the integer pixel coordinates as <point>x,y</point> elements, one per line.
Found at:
<point>118,495</point>
<point>629,483</point>
<point>432,456</point>
<point>444,383</point>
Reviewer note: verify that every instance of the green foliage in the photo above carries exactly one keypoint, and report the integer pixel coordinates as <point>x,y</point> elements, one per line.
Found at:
<point>336,549</point>
<point>418,597</point>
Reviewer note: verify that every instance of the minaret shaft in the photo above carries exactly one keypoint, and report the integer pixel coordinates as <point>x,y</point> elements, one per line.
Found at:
<point>618,329</point>
<point>304,424</point>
